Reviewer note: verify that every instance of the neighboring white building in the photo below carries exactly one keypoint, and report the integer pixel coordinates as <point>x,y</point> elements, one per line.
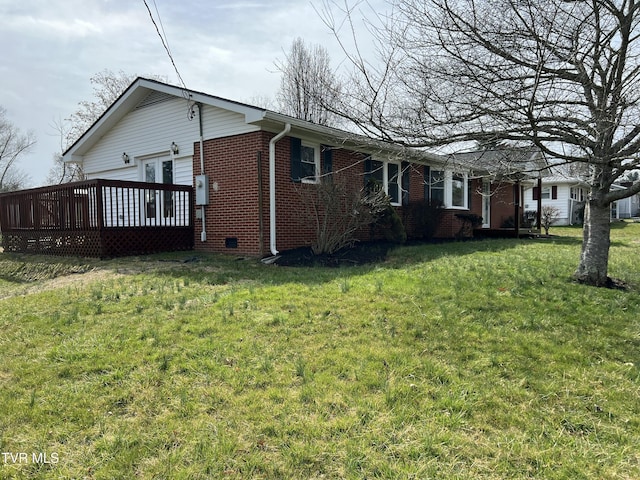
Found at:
<point>627,207</point>
<point>567,194</point>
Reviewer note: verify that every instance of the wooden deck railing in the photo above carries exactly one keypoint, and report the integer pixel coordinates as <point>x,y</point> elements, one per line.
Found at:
<point>98,218</point>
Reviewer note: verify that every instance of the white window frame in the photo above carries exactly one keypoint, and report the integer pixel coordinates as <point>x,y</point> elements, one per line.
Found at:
<point>399,182</point>
<point>448,190</point>
<point>545,193</point>
<point>385,179</point>
<point>316,161</point>
<point>465,190</point>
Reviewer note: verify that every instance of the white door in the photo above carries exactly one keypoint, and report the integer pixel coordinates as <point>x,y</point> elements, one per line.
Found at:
<point>486,204</point>
<point>158,205</point>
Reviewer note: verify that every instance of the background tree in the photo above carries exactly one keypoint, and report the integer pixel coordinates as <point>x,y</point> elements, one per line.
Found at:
<point>108,86</point>
<point>13,145</point>
<point>560,74</point>
<point>61,171</point>
<point>308,84</point>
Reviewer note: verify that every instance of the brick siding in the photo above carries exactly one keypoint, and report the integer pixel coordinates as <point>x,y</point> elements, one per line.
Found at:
<point>234,219</point>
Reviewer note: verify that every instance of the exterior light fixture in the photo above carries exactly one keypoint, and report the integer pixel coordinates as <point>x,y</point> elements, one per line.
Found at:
<point>125,158</point>
<point>174,148</point>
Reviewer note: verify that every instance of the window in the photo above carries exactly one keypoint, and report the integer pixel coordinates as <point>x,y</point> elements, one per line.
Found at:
<point>458,190</point>
<point>546,193</point>
<point>308,161</point>
<point>388,175</point>
<point>305,161</point>
<point>451,189</point>
<point>577,193</point>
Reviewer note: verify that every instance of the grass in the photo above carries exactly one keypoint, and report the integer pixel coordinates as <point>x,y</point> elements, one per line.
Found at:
<point>464,360</point>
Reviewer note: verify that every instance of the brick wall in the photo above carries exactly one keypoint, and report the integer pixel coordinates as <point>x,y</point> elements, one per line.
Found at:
<point>232,220</point>
<point>502,203</point>
<point>236,224</point>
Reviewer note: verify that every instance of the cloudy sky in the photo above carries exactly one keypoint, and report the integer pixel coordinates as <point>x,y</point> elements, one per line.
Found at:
<point>51,48</point>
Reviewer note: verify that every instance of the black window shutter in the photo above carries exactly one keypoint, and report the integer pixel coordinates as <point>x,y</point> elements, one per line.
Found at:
<point>536,193</point>
<point>554,192</point>
<point>469,193</point>
<point>327,159</point>
<point>406,175</point>
<point>427,180</point>
<point>296,159</point>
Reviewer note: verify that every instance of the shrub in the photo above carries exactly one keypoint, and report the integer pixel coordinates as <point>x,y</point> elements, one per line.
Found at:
<point>549,215</point>
<point>469,222</point>
<point>424,217</point>
<point>390,226</point>
<point>338,212</point>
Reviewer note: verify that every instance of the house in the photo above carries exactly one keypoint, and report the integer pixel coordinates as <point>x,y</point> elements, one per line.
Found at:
<point>502,173</point>
<point>249,168</point>
<point>566,194</point>
<point>627,207</point>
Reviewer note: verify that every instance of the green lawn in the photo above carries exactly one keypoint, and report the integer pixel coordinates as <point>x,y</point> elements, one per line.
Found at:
<point>471,360</point>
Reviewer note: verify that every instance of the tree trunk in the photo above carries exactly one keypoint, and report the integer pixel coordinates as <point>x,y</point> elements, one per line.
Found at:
<point>594,258</point>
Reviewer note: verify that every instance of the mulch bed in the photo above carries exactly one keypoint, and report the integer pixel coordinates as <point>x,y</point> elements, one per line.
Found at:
<point>360,254</point>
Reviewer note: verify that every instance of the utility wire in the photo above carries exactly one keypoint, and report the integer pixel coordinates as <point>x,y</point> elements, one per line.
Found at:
<point>162,39</point>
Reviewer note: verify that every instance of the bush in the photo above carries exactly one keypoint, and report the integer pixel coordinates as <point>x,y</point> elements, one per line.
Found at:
<point>469,222</point>
<point>390,226</point>
<point>338,212</point>
<point>424,217</point>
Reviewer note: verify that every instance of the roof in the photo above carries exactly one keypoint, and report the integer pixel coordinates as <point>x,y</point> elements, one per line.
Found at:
<point>516,163</point>
<point>265,119</point>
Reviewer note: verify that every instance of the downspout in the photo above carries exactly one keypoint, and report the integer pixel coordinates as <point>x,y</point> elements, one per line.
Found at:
<point>203,234</point>
<point>272,188</point>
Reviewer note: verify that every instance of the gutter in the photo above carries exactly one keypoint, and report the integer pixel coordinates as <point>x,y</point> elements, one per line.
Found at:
<point>203,234</point>
<point>272,188</point>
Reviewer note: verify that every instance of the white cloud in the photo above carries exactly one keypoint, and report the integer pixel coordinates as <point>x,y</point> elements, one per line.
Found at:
<point>225,48</point>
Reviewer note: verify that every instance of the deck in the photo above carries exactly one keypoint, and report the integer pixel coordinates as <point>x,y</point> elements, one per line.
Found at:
<point>98,218</point>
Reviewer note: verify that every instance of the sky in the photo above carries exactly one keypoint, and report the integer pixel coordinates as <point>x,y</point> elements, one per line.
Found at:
<point>51,49</point>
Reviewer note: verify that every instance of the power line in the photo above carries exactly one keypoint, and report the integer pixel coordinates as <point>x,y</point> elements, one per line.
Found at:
<point>162,39</point>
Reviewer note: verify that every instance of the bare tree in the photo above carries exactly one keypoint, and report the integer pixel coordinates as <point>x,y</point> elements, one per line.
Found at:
<point>13,145</point>
<point>308,84</point>
<point>61,171</point>
<point>108,86</point>
<point>560,74</point>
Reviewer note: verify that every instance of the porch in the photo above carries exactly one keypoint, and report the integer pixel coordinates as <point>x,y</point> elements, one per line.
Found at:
<point>98,218</point>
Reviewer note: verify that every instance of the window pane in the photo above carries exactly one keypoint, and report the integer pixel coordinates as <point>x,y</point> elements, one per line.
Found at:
<point>457,190</point>
<point>308,154</point>
<point>377,171</point>
<point>393,187</point>
<point>150,173</point>
<point>167,172</point>
<point>437,186</point>
<point>308,162</point>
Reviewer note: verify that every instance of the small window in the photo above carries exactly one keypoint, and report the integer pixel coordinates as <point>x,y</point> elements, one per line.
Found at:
<point>305,161</point>
<point>308,160</point>
<point>546,193</point>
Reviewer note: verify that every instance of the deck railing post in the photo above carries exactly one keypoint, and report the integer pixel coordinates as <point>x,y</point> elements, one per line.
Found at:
<point>99,205</point>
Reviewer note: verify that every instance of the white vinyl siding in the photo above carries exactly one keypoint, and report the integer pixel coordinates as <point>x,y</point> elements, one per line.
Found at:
<point>150,130</point>
<point>562,202</point>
